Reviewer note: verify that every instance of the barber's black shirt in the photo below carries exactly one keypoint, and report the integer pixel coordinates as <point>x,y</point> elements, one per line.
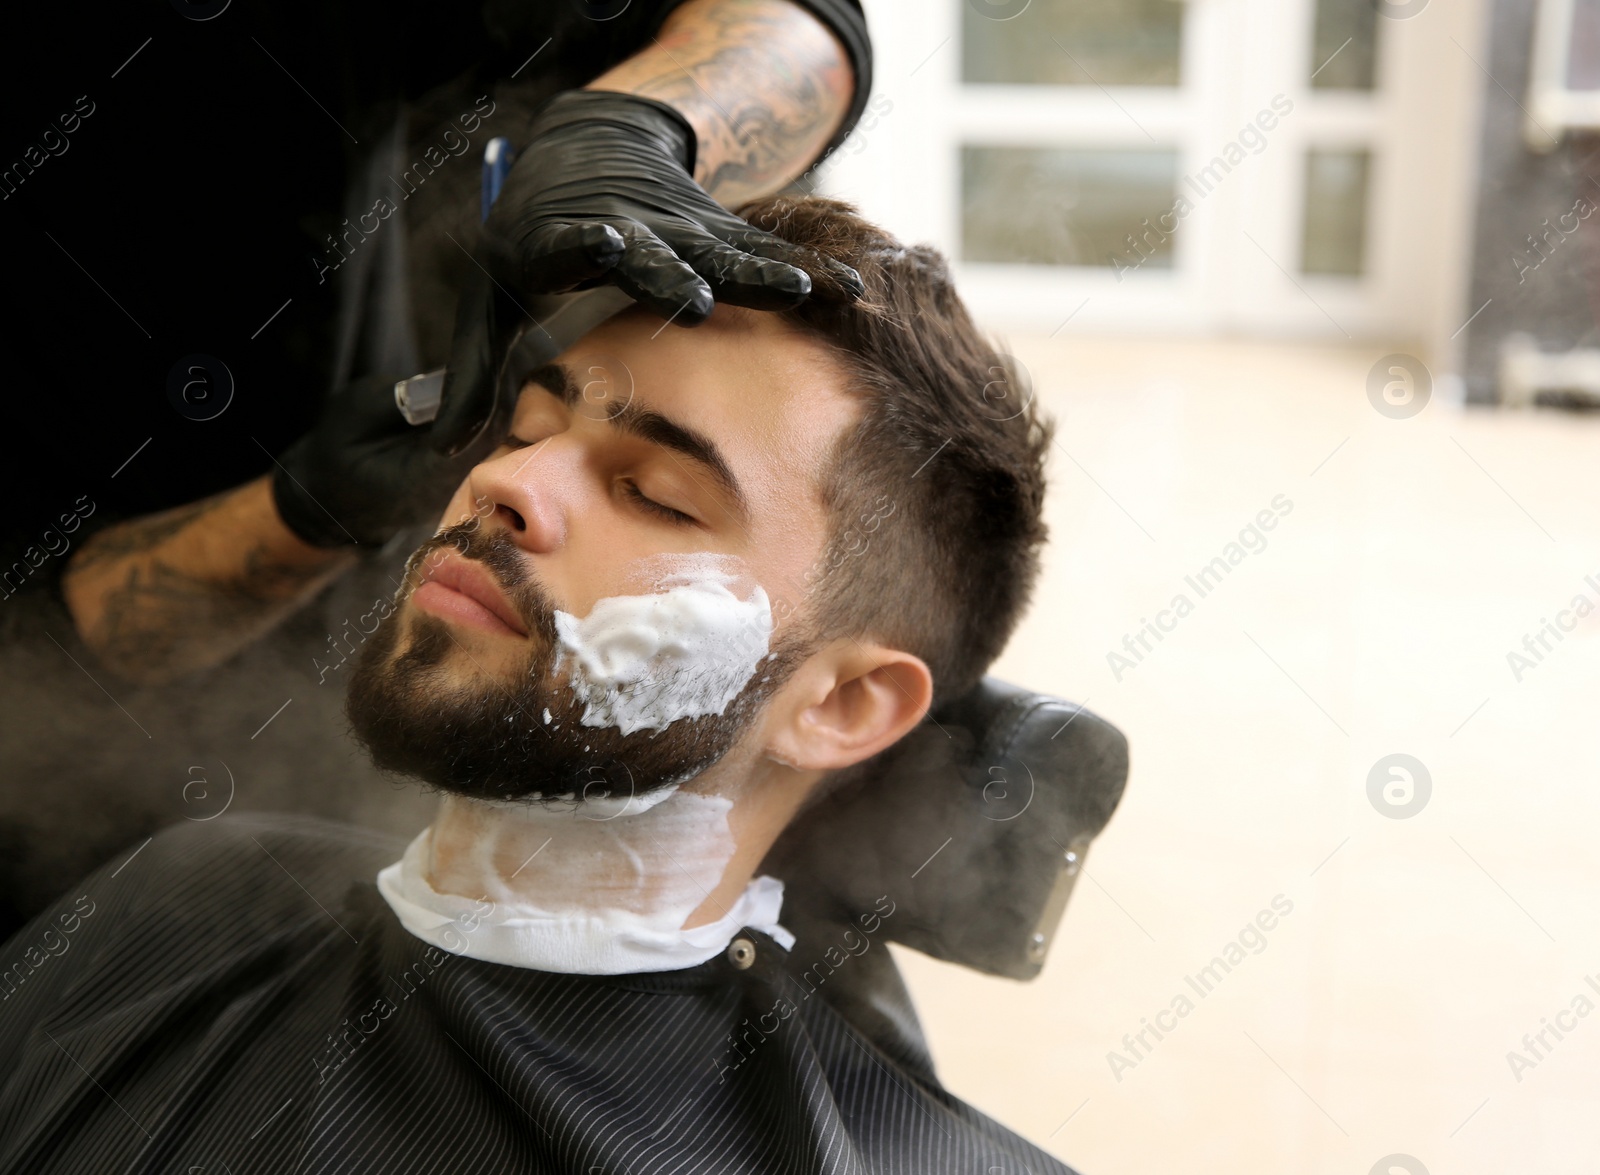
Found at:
<point>184,211</point>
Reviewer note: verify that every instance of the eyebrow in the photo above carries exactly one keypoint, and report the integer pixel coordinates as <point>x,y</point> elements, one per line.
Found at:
<point>655,428</point>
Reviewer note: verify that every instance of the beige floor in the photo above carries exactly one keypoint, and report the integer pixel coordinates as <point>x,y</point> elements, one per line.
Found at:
<point>1378,1018</point>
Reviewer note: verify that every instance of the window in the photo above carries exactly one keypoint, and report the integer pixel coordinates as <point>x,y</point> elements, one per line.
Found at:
<point>1066,206</point>
<point>1073,43</point>
<point>1175,167</point>
<point>1335,212</point>
<point>1344,45</point>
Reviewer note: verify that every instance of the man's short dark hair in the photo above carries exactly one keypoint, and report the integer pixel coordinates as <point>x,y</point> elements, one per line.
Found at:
<point>936,498</point>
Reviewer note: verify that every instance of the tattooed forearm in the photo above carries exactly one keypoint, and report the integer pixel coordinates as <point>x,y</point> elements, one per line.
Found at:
<point>162,620</point>
<point>764,83</point>
<point>139,534</point>
<point>161,596</point>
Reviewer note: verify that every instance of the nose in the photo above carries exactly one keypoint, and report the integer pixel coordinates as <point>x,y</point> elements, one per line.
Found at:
<point>527,489</point>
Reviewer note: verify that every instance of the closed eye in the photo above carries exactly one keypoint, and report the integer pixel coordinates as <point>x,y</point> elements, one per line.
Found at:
<point>509,445</point>
<point>651,506</point>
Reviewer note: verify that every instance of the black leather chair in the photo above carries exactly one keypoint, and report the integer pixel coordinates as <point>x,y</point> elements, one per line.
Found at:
<point>972,831</point>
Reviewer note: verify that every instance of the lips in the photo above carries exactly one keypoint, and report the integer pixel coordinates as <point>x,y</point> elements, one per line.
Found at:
<point>474,591</point>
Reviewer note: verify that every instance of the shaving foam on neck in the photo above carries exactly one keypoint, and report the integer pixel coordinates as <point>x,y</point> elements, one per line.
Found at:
<point>653,857</point>
<point>686,649</point>
<point>602,888</point>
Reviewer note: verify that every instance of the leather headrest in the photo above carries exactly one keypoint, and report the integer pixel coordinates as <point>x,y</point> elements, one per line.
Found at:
<point>975,830</point>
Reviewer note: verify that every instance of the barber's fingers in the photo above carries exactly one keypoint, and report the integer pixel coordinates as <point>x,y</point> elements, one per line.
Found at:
<point>833,279</point>
<point>651,272</point>
<point>680,269</point>
<point>838,279</point>
<point>556,257</point>
<point>741,278</point>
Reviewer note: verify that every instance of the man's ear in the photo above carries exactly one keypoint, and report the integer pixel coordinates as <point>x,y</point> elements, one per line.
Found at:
<point>849,701</point>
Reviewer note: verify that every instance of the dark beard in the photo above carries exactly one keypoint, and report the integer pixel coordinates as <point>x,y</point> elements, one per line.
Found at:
<point>488,739</point>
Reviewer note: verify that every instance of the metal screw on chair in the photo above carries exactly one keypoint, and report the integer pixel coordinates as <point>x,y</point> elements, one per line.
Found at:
<point>741,953</point>
<point>1072,862</point>
<point>1036,946</point>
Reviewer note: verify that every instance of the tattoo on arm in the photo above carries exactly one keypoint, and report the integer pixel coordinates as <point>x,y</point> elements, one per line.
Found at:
<point>139,535</point>
<point>154,603</point>
<point>764,83</point>
<point>162,621</point>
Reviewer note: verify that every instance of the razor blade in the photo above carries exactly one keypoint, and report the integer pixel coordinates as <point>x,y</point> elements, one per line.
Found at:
<point>556,322</point>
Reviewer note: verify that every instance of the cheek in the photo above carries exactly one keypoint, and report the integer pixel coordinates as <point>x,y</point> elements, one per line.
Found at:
<point>795,543</point>
<point>790,568</point>
<point>792,529</point>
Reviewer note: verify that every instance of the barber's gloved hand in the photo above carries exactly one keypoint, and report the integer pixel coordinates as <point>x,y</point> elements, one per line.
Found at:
<point>603,191</point>
<point>362,473</point>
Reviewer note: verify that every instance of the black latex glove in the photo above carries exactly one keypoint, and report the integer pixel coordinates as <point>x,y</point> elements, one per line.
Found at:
<point>604,192</point>
<point>362,473</point>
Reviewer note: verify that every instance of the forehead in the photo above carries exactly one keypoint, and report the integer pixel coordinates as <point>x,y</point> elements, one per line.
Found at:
<point>772,399</point>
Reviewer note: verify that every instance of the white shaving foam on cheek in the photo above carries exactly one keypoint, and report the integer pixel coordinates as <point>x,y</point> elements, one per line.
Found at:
<point>643,662</point>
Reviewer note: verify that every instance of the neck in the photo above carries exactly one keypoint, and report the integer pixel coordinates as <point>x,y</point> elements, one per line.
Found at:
<point>688,853</point>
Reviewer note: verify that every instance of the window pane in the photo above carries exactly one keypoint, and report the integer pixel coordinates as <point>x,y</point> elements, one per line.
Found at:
<point>1067,206</point>
<point>1072,42</point>
<point>1583,63</point>
<point>1335,212</point>
<point>1344,45</point>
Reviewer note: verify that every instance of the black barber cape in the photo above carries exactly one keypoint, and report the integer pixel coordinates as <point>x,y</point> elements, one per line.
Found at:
<point>236,997</point>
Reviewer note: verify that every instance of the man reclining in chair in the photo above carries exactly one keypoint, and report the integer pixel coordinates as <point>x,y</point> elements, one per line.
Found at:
<point>709,574</point>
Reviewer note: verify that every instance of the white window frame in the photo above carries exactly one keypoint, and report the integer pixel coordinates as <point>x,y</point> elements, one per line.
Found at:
<point>1420,123</point>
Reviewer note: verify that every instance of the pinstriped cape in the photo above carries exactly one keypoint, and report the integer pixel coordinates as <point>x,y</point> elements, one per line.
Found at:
<point>236,998</point>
